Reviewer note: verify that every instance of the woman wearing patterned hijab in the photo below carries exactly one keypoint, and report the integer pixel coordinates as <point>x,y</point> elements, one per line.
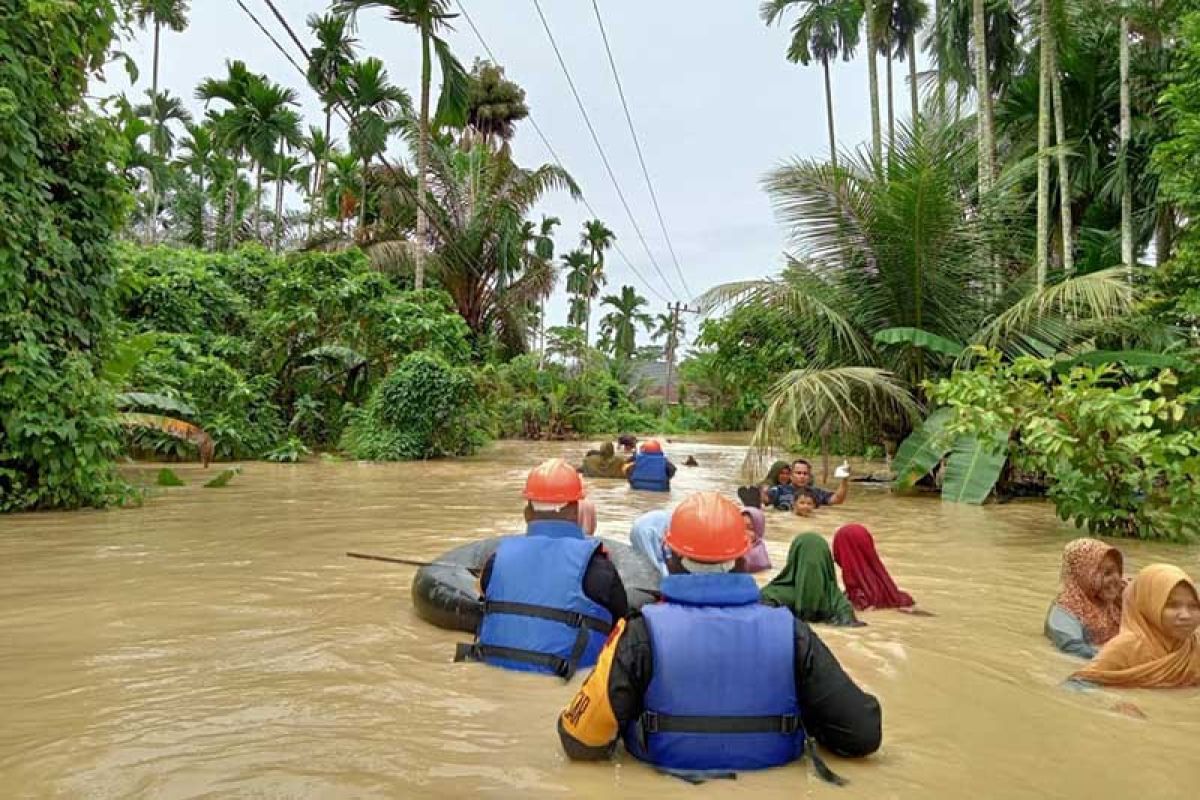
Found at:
<point>1087,611</point>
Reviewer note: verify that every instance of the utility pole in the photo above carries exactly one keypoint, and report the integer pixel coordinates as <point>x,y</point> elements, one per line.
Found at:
<point>672,344</point>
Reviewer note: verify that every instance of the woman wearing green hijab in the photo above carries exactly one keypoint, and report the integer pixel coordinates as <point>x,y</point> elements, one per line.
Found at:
<point>807,584</point>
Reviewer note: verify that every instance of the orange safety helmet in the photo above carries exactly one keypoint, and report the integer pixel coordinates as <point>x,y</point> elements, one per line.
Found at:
<point>554,481</point>
<point>708,527</point>
<point>652,446</point>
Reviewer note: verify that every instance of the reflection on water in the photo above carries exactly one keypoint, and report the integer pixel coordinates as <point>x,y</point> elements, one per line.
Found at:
<point>217,643</point>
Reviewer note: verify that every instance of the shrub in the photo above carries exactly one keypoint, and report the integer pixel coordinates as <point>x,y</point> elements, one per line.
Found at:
<point>422,409</point>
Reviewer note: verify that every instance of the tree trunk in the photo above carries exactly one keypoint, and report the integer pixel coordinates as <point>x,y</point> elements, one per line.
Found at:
<point>258,170</point>
<point>1164,233</point>
<point>422,163</point>
<point>231,196</point>
<point>323,168</point>
<point>891,103</point>
<point>1127,179</point>
<point>873,83</point>
<point>203,209</point>
<point>941,76</point>
<point>912,77</point>
<point>1064,172</point>
<point>152,232</point>
<point>1043,143</point>
<point>362,202</point>
<point>278,199</point>
<point>983,90</point>
<point>829,113</point>
<point>542,335</point>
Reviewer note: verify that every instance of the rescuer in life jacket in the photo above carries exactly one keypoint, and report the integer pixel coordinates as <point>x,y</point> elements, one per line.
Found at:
<point>709,681</point>
<point>650,470</point>
<point>550,597</point>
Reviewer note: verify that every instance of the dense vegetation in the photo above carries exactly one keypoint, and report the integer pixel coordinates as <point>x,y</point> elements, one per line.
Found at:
<point>1002,285</point>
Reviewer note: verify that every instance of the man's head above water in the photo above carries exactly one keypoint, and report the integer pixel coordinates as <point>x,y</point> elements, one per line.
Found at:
<point>801,473</point>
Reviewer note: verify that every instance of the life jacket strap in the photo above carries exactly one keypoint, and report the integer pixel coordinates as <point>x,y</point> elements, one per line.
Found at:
<point>562,667</point>
<point>571,618</point>
<point>786,724</point>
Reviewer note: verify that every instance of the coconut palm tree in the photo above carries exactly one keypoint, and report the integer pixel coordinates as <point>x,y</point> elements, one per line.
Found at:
<point>495,103</point>
<point>334,51</point>
<point>909,17</point>
<point>824,30</point>
<point>342,182</point>
<point>428,17</point>
<point>317,146</point>
<point>622,322</point>
<point>173,14</point>
<point>284,170</point>
<point>374,104</point>
<point>597,238</point>
<point>905,305</point>
<point>539,251</point>
<point>1127,254</point>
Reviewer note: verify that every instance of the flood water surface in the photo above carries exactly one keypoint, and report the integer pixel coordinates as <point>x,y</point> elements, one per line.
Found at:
<point>218,643</point>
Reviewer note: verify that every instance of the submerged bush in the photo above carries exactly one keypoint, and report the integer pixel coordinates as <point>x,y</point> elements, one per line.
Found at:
<point>422,409</point>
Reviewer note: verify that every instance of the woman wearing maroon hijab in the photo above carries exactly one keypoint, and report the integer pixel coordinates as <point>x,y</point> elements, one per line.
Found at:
<point>867,582</point>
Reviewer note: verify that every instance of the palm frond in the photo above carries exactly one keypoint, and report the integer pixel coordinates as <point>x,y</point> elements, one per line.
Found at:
<point>808,402</point>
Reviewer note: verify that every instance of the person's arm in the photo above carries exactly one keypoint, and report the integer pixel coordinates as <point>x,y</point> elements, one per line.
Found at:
<point>1068,634</point>
<point>839,496</point>
<point>602,583</point>
<point>670,469</point>
<point>611,696</point>
<point>838,714</point>
<point>485,574</point>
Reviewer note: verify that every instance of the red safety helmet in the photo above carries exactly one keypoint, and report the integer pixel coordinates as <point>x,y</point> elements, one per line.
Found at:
<point>652,446</point>
<point>554,481</point>
<point>708,527</point>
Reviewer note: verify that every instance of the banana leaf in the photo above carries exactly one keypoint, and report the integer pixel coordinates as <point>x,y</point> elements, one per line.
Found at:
<point>974,467</point>
<point>920,338</point>
<point>922,450</point>
<point>172,427</point>
<point>159,402</point>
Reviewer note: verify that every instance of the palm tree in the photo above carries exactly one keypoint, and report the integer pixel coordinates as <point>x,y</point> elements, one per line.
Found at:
<point>908,17</point>
<point>539,252</point>
<point>579,274</point>
<point>318,146</point>
<point>333,53</point>
<point>885,39</point>
<point>1045,62</point>
<point>622,322</point>
<point>265,124</point>
<point>161,110</point>
<point>173,14</point>
<point>232,90</point>
<point>873,38</point>
<point>342,181</point>
<point>199,152</point>
<point>1127,254</point>
<point>670,326</point>
<point>428,17</point>
<point>983,91</point>
<point>903,308</point>
<point>284,170</point>
<point>374,104</point>
<point>824,30</point>
<point>597,238</point>
<point>477,203</point>
<point>495,103</point>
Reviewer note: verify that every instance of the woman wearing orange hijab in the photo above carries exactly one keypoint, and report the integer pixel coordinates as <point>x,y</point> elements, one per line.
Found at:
<point>1159,644</point>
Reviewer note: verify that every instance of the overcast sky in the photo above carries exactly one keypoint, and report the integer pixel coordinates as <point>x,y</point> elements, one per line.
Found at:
<point>714,101</point>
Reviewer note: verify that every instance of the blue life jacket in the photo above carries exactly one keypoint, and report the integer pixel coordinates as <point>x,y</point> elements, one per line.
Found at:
<point>723,692</point>
<point>649,473</point>
<point>536,617</point>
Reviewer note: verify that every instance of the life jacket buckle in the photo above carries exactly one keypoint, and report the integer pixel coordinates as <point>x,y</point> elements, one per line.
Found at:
<point>577,620</point>
<point>789,724</point>
<point>649,722</point>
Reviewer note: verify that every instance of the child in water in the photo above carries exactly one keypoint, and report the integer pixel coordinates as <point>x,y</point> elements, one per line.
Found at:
<point>804,503</point>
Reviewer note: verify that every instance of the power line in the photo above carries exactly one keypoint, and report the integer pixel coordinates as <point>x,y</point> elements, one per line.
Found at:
<point>554,155</point>
<point>599,148</point>
<point>274,41</point>
<point>637,146</point>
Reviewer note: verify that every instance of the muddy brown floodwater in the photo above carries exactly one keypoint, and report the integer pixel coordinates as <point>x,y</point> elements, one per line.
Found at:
<point>217,643</point>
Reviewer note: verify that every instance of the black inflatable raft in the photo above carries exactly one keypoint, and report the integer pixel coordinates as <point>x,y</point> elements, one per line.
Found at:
<point>445,592</point>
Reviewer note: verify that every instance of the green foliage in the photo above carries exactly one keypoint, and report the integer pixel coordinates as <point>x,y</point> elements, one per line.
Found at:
<point>222,480</point>
<point>60,203</point>
<point>974,467</point>
<point>423,409</point>
<point>291,451</point>
<point>167,477</point>
<point>922,449</point>
<point>1120,453</point>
